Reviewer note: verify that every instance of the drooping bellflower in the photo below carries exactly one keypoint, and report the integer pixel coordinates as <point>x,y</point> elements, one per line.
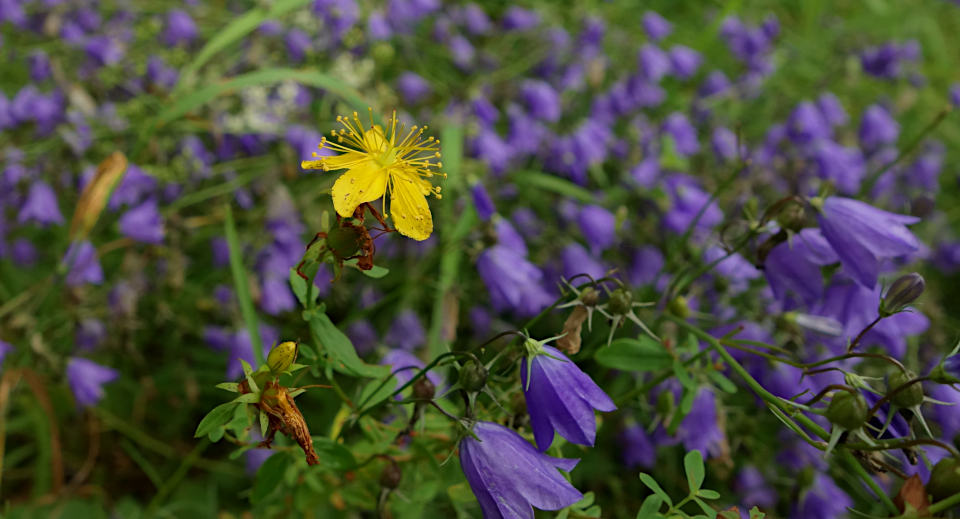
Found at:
<point>509,477</point>
<point>560,397</point>
<point>87,378</point>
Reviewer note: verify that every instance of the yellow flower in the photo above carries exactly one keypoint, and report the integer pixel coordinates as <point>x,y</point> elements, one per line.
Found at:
<point>377,161</point>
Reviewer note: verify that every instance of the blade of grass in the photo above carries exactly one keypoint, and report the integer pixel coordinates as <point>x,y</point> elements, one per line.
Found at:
<point>558,185</point>
<point>241,287</point>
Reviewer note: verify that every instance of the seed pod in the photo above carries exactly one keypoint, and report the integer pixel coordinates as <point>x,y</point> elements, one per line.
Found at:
<point>679,307</point>
<point>909,396</point>
<point>473,376</point>
<point>282,356</point>
<point>621,301</point>
<point>847,410</point>
<point>792,216</point>
<point>589,296</point>
<point>343,241</point>
<point>944,479</point>
<point>391,475</point>
<point>423,389</point>
<point>905,290</point>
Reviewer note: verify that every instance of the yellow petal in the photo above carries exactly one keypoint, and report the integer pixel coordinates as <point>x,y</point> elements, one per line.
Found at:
<point>341,161</point>
<point>362,183</point>
<point>408,205</point>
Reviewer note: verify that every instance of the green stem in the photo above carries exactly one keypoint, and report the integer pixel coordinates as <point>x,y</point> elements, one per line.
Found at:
<point>945,504</point>
<point>241,286</point>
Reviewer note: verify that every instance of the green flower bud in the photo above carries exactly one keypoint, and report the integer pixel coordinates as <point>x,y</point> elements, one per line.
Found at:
<point>621,302</point>
<point>391,475</point>
<point>944,479</point>
<point>473,376</point>
<point>905,290</point>
<point>908,397</point>
<point>847,410</point>
<point>343,241</point>
<point>679,307</point>
<point>282,356</point>
<point>666,403</point>
<point>793,216</point>
<point>423,389</point>
<point>589,296</point>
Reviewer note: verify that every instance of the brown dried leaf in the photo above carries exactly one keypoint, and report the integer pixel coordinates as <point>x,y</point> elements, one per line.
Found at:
<point>96,193</point>
<point>913,497</point>
<point>570,342</point>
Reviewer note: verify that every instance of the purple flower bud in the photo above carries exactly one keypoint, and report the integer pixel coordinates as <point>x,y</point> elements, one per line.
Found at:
<point>653,62</point>
<point>541,99</point>
<point>684,61</point>
<point>862,235</point>
<point>40,205</point>
<point>412,87</point>
<point>39,65</point>
<point>656,27</point>
<point>482,202</point>
<point>87,378</point>
<point>598,226</point>
<point>560,397</point>
<point>143,223</point>
<point>462,51</point>
<point>90,334</point>
<point>877,128</point>
<point>160,74</point>
<point>406,332</point>
<point>831,110</point>
<point>807,124</point>
<point>519,19</point>
<point>476,20</point>
<point>684,134</point>
<point>84,265</point>
<point>297,43</point>
<point>378,28</point>
<point>508,476</point>
<point>715,83</point>
<point>180,28</point>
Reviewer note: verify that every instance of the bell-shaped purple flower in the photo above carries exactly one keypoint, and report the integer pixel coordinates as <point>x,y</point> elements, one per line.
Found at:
<point>560,397</point>
<point>831,110</point>
<point>512,281</point>
<point>509,477</point>
<point>81,258</point>
<point>862,235</point>
<point>807,124</point>
<point>40,205</point>
<point>517,18</point>
<point>541,100</point>
<point>406,332</point>
<point>143,223</point>
<point>842,165</point>
<point>405,365</point>
<point>482,202</point>
<point>5,348</point>
<point>413,87</point>
<point>700,429</point>
<point>637,448</point>
<point>684,134</point>
<point>654,63</point>
<point>180,28</point>
<point>753,488</point>
<point>298,43</point>
<point>877,128</point>
<point>598,226</point>
<point>686,202</point>
<point>576,260</point>
<point>794,266</point>
<point>90,333</point>
<point>87,378</point>
<point>656,27</point>
<point>684,61</point>
<point>823,500</point>
<point>363,336</point>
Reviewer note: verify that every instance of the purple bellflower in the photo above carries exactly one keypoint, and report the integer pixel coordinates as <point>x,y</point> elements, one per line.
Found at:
<point>509,477</point>
<point>862,235</point>
<point>87,378</point>
<point>560,397</point>
<point>143,223</point>
<point>406,332</point>
<point>83,263</point>
<point>598,226</point>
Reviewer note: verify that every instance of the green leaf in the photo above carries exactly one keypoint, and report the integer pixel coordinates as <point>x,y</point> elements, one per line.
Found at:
<point>693,465</point>
<point>334,343</point>
<point>640,355</point>
<point>264,419</point>
<point>461,493</point>
<point>559,185</point>
<point>233,387</point>
<point>248,373</point>
<point>216,418</point>
<point>269,476</point>
<point>683,376</point>
<point>655,487</point>
<point>755,513</point>
<point>650,509</point>
<point>242,288</point>
<point>722,382</point>
<point>706,493</point>
<point>686,403</point>
<point>376,272</point>
<point>247,398</point>
<point>707,509</point>
<point>333,454</point>
<point>299,286</point>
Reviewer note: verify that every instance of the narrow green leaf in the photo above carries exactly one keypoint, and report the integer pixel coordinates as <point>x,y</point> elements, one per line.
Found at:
<point>722,382</point>
<point>376,272</point>
<point>706,493</point>
<point>233,387</point>
<point>558,185</point>
<point>683,376</point>
<point>264,424</point>
<point>299,287</point>
<point>241,287</point>
<point>755,513</point>
<point>693,465</point>
<point>217,417</point>
<point>640,355</point>
<point>655,487</point>
<point>247,398</point>
<point>333,454</point>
